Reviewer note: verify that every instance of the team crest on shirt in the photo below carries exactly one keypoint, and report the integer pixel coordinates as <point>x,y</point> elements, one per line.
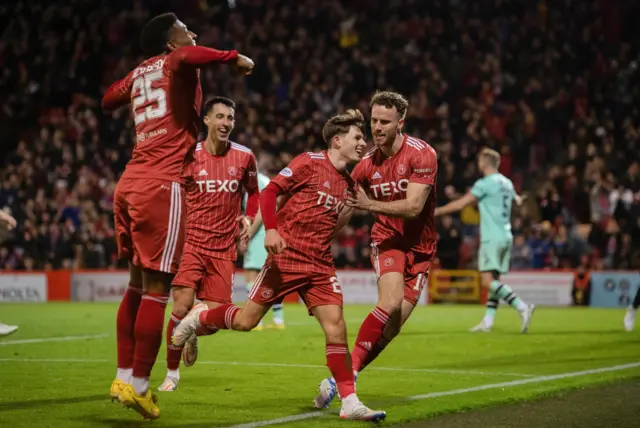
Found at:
<point>401,169</point>
<point>286,172</point>
<point>232,170</point>
<point>388,261</point>
<point>267,293</point>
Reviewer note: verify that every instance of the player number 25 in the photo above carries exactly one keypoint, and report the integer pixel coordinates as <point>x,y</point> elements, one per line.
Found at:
<point>335,284</point>
<point>149,95</point>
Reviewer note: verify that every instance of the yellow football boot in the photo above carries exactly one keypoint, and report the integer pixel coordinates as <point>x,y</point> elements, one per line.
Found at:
<point>116,389</point>
<point>143,404</point>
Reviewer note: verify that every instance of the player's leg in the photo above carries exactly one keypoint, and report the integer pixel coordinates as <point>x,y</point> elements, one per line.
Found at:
<point>487,265</point>
<point>269,286</point>
<point>325,303</point>
<point>128,308</point>
<point>250,276</point>
<point>416,275</point>
<point>183,291</point>
<point>494,261</point>
<point>222,317</point>
<point>392,330</point>
<point>390,266</point>
<point>630,315</point>
<point>491,307</point>
<point>216,289</point>
<point>125,323</point>
<point>156,208</point>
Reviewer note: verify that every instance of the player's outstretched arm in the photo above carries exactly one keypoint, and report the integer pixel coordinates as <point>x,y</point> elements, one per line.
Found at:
<point>200,56</point>
<point>519,199</point>
<point>117,95</point>
<point>410,207</point>
<point>457,205</point>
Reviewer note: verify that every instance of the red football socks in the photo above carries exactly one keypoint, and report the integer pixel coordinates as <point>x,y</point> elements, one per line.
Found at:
<point>173,353</point>
<point>380,345</point>
<point>220,317</point>
<point>148,333</point>
<point>369,334</point>
<point>339,362</point>
<point>125,323</point>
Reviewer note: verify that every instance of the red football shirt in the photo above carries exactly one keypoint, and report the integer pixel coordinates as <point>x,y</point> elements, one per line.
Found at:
<point>307,221</point>
<point>165,96</point>
<point>386,179</point>
<point>214,193</point>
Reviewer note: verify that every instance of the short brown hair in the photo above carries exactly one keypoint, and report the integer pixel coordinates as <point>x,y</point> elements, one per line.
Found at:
<point>492,156</point>
<point>390,99</point>
<point>341,123</point>
<point>208,106</point>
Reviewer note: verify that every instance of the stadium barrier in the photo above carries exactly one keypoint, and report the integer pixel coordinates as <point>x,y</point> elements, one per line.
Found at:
<point>613,289</point>
<point>550,288</point>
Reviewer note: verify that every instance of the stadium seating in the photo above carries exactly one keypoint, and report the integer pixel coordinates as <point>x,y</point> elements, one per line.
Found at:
<point>556,96</point>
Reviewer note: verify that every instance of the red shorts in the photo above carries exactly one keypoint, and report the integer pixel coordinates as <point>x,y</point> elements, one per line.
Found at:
<point>149,222</point>
<point>414,266</point>
<point>212,278</point>
<point>315,289</point>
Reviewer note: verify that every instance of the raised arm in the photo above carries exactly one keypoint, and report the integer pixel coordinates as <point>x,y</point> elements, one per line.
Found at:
<point>457,205</point>
<point>118,94</point>
<point>200,56</point>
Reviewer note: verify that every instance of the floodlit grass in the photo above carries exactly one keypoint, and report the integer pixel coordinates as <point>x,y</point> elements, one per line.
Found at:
<point>66,383</point>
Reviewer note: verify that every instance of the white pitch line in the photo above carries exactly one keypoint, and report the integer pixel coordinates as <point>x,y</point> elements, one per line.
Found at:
<point>51,360</point>
<point>284,365</point>
<point>389,369</point>
<point>548,378</point>
<point>52,339</point>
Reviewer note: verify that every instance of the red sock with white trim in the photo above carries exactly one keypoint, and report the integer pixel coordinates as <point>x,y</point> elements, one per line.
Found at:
<point>173,352</point>
<point>148,334</point>
<point>220,318</point>
<point>125,322</point>
<point>369,334</point>
<point>339,362</point>
<point>380,346</point>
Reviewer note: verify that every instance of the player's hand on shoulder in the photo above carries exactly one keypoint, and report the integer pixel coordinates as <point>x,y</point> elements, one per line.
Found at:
<point>360,201</point>
<point>273,242</point>
<point>245,64</point>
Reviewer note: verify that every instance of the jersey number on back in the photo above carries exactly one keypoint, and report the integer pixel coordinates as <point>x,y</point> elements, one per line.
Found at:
<point>506,196</point>
<point>149,95</point>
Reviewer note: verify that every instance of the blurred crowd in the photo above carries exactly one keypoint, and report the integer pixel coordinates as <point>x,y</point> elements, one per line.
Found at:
<point>552,85</point>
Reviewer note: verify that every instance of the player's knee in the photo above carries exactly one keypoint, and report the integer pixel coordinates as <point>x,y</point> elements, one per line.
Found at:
<point>156,282</point>
<point>135,275</point>
<point>488,278</point>
<point>244,323</point>
<point>183,298</point>
<point>391,303</point>
<point>335,331</point>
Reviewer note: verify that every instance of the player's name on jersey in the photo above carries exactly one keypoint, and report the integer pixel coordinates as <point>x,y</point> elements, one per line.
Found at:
<point>149,68</point>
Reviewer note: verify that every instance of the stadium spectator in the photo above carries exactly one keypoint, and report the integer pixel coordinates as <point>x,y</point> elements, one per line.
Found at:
<point>553,86</point>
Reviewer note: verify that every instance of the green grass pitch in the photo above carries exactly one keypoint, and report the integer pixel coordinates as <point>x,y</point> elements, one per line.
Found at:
<point>246,378</point>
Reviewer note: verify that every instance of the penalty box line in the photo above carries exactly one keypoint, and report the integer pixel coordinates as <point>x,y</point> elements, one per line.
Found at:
<point>320,413</point>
